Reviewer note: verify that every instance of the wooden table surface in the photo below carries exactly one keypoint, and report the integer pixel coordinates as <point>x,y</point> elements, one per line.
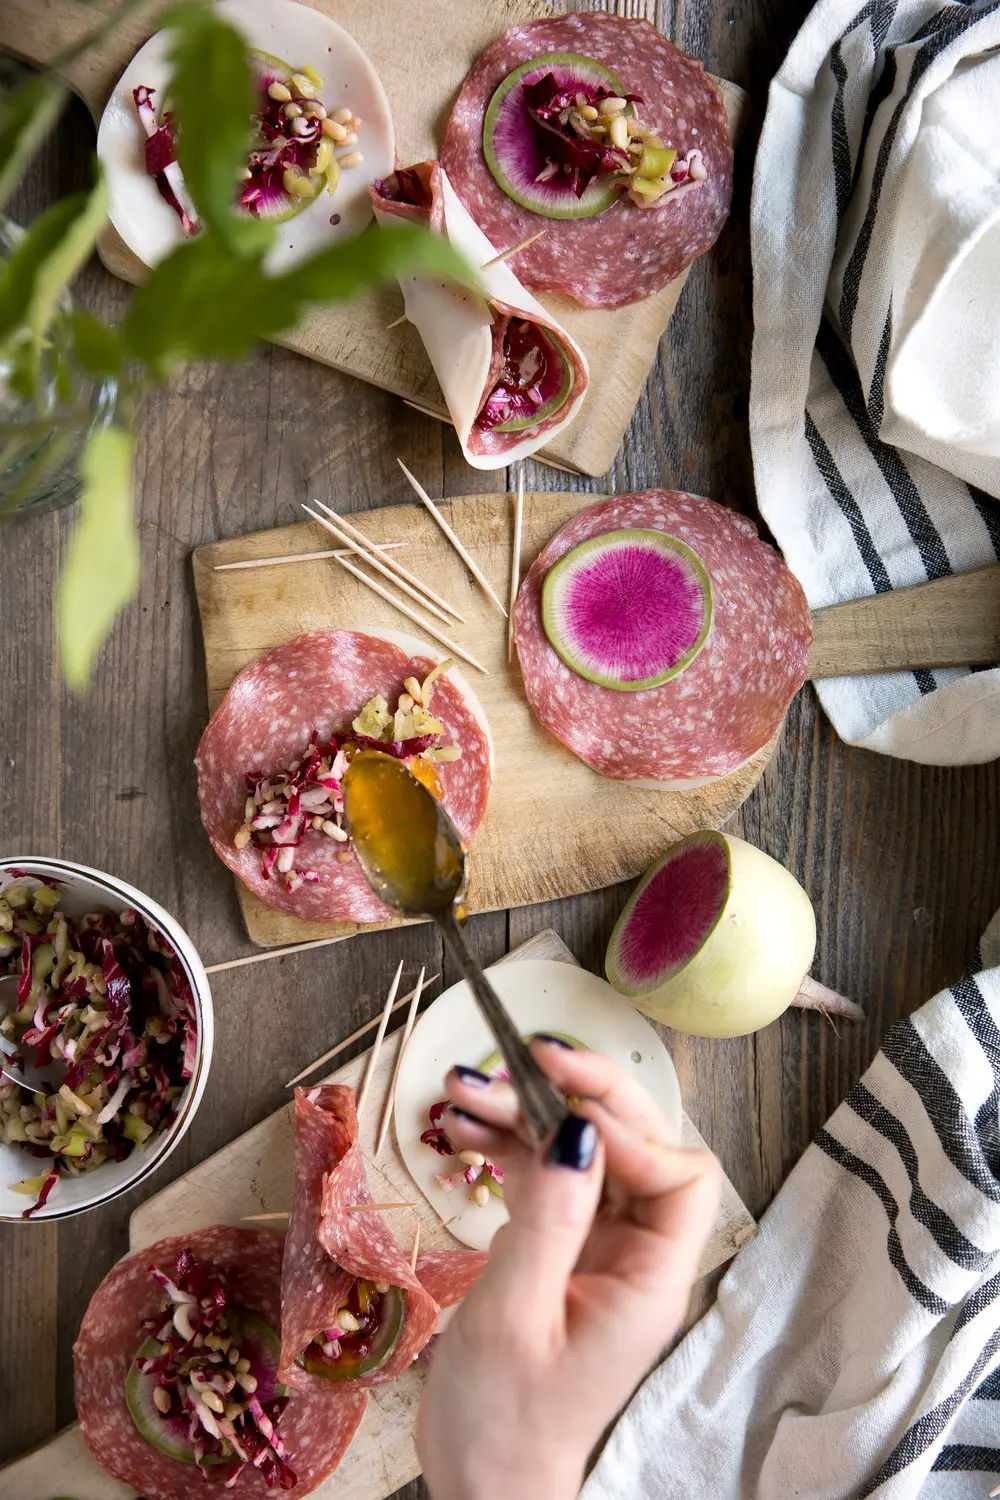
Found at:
<point>901,860</point>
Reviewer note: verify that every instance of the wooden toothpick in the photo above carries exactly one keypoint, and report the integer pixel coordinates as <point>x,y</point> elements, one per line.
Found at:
<point>512,250</point>
<point>391,563</point>
<point>470,563</point>
<point>404,609</point>
<point>263,1218</point>
<point>299,557</point>
<point>396,324</point>
<point>379,1038</point>
<point>348,1041</point>
<point>416,1247</point>
<point>369,1208</point>
<point>411,1016</point>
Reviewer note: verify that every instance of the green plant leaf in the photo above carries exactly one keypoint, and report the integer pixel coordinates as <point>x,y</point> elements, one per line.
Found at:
<point>27,114</point>
<point>101,571</point>
<point>97,348</point>
<point>201,303</point>
<point>212,94</point>
<point>44,262</point>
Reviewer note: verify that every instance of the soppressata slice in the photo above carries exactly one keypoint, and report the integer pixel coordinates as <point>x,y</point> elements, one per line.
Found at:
<point>598,130</point>
<point>730,695</point>
<point>270,762</point>
<point>153,1366</point>
<point>511,376</point>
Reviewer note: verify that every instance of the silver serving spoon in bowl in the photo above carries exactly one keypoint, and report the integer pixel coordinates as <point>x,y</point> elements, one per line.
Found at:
<point>8,1002</point>
<point>414,860</point>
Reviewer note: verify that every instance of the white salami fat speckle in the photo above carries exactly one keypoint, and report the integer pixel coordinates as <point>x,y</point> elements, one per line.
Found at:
<point>264,724</point>
<point>731,699</point>
<point>626,253</point>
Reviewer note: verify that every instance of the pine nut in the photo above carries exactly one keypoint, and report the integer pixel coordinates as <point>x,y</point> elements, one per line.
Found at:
<point>351,138</point>
<point>232,1411</point>
<point>618,133</point>
<point>214,1402</point>
<point>480,1195</point>
<point>342,116</point>
<point>334,130</point>
<point>234,1355</point>
<point>405,703</point>
<point>246,1383</point>
<point>472,1158</point>
<point>301,126</point>
<point>352,159</point>
<point>588,111</point>
<point>414,689</point>
<point>242,1366</point>
<point>161,1399</point>
<point>292,111</point>
<point>278,92</point>
<point>316,110</point>
<point>612,106</point>
<point>347,1321</point>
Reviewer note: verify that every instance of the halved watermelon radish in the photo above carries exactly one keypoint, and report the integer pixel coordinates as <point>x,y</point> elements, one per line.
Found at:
<point>629,609</point>
<point>514,140</point>
<point>170,1433</point>
<point>278,155</point>
<point>715,940</point>
<point>363,1352</point>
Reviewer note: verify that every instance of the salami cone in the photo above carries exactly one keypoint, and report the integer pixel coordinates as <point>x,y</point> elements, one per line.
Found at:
<point>478,339</point>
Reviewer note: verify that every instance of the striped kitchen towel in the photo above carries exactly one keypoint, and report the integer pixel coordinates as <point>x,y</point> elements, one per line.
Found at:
<point>854,1349</point>
<point>855,507</point>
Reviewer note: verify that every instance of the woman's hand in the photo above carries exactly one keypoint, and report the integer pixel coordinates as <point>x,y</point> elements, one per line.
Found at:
<point>581,1291</point>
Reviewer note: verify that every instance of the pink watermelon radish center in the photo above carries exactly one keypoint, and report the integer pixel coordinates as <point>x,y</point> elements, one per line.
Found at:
<point>628,610</point>
<point>670,915</point>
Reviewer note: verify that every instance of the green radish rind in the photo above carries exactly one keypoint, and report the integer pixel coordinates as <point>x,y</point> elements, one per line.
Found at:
<point>561,574</point>
<point>139,1387</point>
<point>392,1316</point>
<point>748,967</point>
<point>596,199</point>
<point>555,403</point>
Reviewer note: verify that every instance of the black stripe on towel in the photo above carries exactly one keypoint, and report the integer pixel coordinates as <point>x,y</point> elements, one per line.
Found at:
<point>989,514</point>
<point>843,171</point>
<point>966,1459</point>
<point>944,28</point>
<point>834,480</point>
<point>905,1049</point>
<point>925,1432</point>
<point>841,369</point>
<point>868,1175</point>
<point>990,1388</point>
<point>943,1230</point>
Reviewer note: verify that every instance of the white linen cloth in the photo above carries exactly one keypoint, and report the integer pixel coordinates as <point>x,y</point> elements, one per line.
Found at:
<point>854,1349</point>
<point>875,386</point>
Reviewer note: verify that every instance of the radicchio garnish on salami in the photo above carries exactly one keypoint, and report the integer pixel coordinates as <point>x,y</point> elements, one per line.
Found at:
<point>187,1302</point>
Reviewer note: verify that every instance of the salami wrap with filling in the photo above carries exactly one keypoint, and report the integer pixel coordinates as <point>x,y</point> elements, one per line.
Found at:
<point>627,251</point>
<point>329,1247</point>
<point>728,702</point>
<point>511,376</point>
<point>306,691</point>
<point>316,1426</point>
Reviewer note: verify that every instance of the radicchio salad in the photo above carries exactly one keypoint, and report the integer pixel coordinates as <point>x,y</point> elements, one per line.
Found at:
<point>105,1017</point>
<point>298,149</point>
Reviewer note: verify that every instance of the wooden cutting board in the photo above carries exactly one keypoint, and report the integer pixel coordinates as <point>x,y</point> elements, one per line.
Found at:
<point>553,827</point>
<point>253,1175</point>
<point>422,52</point>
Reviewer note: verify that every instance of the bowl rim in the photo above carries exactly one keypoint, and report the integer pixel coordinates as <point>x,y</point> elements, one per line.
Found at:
<point>201,993</point>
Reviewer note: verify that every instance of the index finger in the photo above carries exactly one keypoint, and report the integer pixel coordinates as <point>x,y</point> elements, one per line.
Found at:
<point>591,1075</point>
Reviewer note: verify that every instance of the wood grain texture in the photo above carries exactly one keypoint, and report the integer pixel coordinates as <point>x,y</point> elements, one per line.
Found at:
<point>902,860</point>
<point>948,622</point>
<point>538,784</point>
<point>439,40</point>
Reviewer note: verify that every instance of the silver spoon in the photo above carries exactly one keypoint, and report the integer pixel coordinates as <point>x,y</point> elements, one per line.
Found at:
<point>413,859</point>
<point>8,1001</point>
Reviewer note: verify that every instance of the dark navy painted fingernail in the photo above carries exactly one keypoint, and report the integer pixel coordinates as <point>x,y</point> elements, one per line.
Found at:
<point>574,1144</point>
<point>463,1114</point>
<point>553,1041</point>
<point>472,1076</point>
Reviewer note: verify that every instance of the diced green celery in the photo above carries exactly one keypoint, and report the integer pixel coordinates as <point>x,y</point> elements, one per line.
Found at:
<point>136,1130</point>
<point>656,160</point>
<point>29,1186</point>
<point>13,1129</point>
<point>46,900</point>
<point>76,1143</point>
<point>8,944</point>
<point>17,897</point>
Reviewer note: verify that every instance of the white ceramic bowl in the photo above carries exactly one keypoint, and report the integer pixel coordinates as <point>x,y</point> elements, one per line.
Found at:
<point>90,890</point>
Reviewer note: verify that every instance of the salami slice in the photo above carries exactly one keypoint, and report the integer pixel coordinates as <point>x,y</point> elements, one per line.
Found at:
<point>511,376</point>
<point>627,252</point>
<point>449,1274</point>
<point>316,1427</point>
<point>728,702</point>
<point>329,1247</point>
<point>309,690</point>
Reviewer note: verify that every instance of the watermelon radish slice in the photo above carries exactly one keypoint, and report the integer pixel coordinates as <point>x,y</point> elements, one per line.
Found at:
<point>536,380</point>
<point>629,609</point>
<point>170,1433</point>
<point>538,165</point>
<point>276,150</point>
<point>361,1353</point>
<point>715,940</point>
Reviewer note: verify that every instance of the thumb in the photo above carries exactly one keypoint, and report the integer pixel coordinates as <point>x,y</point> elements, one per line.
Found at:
<point>553,1201</point>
